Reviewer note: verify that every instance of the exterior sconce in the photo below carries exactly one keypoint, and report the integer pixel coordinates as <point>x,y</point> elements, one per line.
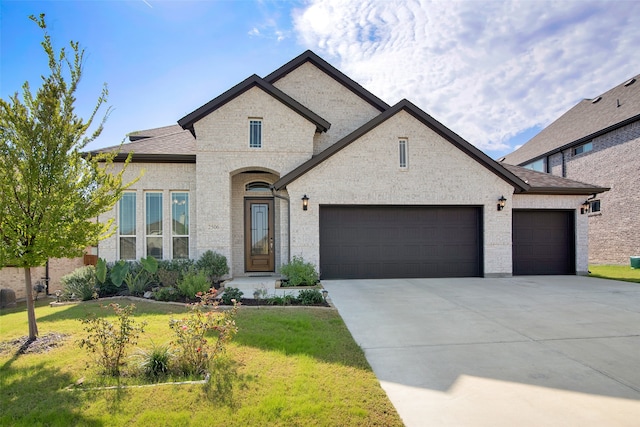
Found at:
<point>305,202</point>
<point>584,208</point>
<point>501,202</point>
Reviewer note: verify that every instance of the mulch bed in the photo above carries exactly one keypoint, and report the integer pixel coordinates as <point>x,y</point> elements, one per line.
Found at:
<point>42,344</point>
<point>260,302</point>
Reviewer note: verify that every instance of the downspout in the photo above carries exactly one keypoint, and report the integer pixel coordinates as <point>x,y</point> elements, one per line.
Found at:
<point>273,192</point>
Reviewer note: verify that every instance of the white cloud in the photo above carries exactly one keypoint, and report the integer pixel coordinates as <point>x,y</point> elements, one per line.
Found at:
<point>487,69</point>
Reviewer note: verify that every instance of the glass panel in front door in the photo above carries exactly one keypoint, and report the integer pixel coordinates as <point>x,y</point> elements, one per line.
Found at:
<point>259,229</point>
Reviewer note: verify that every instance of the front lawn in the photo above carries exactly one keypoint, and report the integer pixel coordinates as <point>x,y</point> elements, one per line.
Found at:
<point>615,272</point>
<point>287,366</point>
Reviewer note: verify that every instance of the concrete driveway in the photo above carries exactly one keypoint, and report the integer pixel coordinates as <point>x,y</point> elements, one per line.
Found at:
<point>526,351</point>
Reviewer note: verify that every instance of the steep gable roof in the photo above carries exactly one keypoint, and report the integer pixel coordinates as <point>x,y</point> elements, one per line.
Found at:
<point>340,77</point>
<point>423,117</point>
<point>586,120</point>
<point>188,121</point>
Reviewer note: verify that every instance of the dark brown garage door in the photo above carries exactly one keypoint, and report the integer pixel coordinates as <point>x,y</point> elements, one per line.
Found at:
<point>366,242</point>
<point>543,242</point>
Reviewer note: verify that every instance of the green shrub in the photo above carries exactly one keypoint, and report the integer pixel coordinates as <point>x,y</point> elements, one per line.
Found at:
<point>310,297</point>
<point>214,265</point>
<point>194,351</point>
<point>285,299</point>
<point>81,283</point>
<point>194,282</point>
<point>110,341</point>
<point>155,363</point>
<point>170,272</point>
<point>299,273</point>
<point>167,293</point>
<point>231,294</point>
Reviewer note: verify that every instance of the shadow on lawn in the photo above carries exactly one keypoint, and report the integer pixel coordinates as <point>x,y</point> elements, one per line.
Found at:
<point>33,396</point>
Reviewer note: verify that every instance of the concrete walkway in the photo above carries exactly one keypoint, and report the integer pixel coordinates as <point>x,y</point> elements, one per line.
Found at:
<point>526,351</point>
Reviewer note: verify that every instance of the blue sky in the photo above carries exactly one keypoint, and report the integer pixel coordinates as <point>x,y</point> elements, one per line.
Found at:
<point>495,72</point>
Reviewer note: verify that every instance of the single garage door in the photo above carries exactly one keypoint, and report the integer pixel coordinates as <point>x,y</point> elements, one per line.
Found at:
<point>543,242</point>
<point>369,242</point>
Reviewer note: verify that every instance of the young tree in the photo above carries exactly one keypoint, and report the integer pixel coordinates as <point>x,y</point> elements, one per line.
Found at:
<point>52,192</point>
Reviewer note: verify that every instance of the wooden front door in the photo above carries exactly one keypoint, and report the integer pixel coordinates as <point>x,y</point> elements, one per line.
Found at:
<point>258,235</point>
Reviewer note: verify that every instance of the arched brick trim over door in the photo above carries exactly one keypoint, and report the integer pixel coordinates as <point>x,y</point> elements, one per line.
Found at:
<point>544,242</point>
<point>363,242</point>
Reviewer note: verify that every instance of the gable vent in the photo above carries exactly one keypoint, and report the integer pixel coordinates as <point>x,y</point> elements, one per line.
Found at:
<point>594,100</point>
<point>629,82</point>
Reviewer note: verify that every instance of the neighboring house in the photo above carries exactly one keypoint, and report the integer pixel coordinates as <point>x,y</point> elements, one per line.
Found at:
<point>306,162</point>
<point>598,141</point>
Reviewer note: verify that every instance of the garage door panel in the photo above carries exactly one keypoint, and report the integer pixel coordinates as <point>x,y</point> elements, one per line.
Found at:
<point>543,242</point>
<point>400,241</point>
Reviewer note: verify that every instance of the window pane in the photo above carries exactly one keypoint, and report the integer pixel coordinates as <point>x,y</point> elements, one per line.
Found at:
<point>154,247</point>
<point>259,229</point>
<point>402,150</point>
<point>180,214</point>
<point>127,248</point>
<point>180,247</point>
<point>127,224</point>
<point>154,213</point>
<point>255,133</point>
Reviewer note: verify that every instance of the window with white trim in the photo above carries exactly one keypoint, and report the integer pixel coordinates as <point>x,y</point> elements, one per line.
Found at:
<point>255,133</point>
<point>153,224</point>
<point>180,224</point>
<point>402,153</point>
<point>594,206</point>
<point>127,226</point>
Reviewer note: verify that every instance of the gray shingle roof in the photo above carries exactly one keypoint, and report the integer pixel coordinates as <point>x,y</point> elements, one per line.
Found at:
<point>172,144</point>
<point>545,183</point>
<point>150,133</point>
<point>586,120</point>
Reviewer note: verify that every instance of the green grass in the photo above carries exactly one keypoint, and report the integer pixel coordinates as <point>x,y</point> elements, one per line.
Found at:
<point>286,367</point>
<point>615,272</point>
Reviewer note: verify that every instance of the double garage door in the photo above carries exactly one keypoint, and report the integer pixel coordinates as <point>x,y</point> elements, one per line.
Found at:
<point>366,242</point>
<point>376,242</point>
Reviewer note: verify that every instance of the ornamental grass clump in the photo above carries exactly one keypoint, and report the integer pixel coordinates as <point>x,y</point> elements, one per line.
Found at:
<point>110,341</point>
<point>194,351</point>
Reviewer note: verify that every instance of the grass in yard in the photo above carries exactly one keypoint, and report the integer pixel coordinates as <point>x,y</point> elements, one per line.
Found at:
<point>287,366</point>
<point>615,272</point>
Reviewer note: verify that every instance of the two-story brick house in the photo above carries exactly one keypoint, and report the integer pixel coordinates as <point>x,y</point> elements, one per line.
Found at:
<point>307,162</point>
<point>598,141</point>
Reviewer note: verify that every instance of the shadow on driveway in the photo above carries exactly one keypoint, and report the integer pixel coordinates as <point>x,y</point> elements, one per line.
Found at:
<point>542,350</point>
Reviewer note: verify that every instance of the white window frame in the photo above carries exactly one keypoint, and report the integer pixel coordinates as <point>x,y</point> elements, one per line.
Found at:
<point>593,204</point>
<point>135,225</point>
<point>255,122</point>
<point>147,236</point>
<point>403,153</point>
<point>174,235</point>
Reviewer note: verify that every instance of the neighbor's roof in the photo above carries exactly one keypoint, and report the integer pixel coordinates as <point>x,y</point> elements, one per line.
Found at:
<point>188,121</point>
<point>588,119</point>
<point>546,183</point>
<point>171,145</point>
<point>439,128</point>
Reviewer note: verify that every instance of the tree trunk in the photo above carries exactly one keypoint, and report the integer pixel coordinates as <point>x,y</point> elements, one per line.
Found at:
<point>31,312</point>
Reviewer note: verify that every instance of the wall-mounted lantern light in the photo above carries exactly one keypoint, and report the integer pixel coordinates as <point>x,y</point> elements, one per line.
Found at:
<point>501,202</point>
<point>305,202</point>
<point>584,208</point>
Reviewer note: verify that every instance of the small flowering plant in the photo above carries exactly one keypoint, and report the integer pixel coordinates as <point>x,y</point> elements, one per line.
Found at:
<point>195,352</point>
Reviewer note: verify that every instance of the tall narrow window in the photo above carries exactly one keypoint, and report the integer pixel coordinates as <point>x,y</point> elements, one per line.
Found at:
<point>153,224</point>
<point>255,133</point>
<point>402,151</point>
<point>180,225</point>
<point>127,226</point>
